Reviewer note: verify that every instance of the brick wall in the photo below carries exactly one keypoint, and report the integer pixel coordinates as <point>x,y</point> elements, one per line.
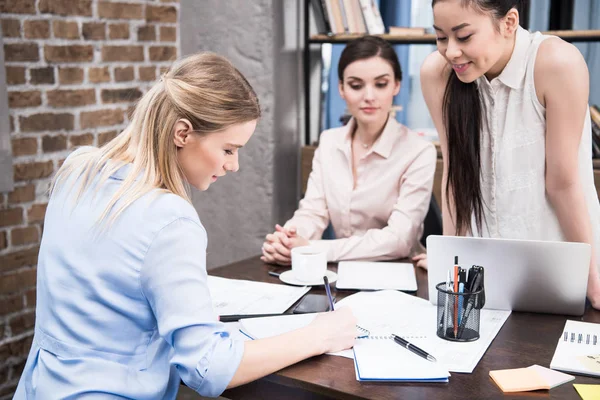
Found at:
<point>74,68</point>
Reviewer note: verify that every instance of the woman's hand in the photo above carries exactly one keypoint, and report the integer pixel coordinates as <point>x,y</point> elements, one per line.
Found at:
<point>277,248</point>
<point>593,291</point>
<point>420,260</point>
<point>335,330</point>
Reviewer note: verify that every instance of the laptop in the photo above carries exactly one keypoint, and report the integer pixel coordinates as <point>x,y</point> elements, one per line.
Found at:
<point>520,275</point>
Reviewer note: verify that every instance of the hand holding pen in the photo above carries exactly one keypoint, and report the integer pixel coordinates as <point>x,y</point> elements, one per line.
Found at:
<point>363,332</point>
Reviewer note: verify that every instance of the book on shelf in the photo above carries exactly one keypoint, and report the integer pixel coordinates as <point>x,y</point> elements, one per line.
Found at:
<point>321,16</point>
<point>407,31</point>
<point>372,17</point>
<point>346,16</point>
<point>595,117</point>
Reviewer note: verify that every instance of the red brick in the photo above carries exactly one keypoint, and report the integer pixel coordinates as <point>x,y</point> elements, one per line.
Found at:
<point>15,349</point>
<point>46,122</point>
<point>70,75</point>
<point>11,28</point>
<point>66,7</point>
<point>120,95</point>
<point>24,146</point>
<point>21,52</point>
<point>11,216</point>
<point>93,30</point>
<point>168,34</point>
<point>161,13</point>
<point>120,10</point>
<point>106,137</point>
<point>169,1</point>
<point>30,298</point>
<point>71,98</point>
<point>36,29</point>
<point>146,33</point>
<point>36,213</point>
<point>54,143</point>
<point>65,29</point>
<point>93,119</point>
<point>99,74</point>
<point>3,243</point>
<point>22,194</point>
<point>11,304</point>
<point>87,139</point>
<point>30,98</point>
<point>42,75</point>
<point>17,7</point>
<point>22,323</point>
<point>71,53</point>
<point>35,170</point>
<point>147,73</point>
<point>15,75</point>
<point>163,53</point>
<point>118,31</point>
<point>9,389</point>
<point>22,236</point>
<point>164,70</point>
<point>124,74</point>
<point>122,53</point>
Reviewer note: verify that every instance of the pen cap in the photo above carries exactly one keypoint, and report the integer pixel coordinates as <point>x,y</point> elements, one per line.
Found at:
<point>458,318</point>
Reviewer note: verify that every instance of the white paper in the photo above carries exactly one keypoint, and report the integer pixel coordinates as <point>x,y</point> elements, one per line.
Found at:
<point>414,319</point>
<point>260,328</point>
<point>236,296</point>
<point>376,275</point>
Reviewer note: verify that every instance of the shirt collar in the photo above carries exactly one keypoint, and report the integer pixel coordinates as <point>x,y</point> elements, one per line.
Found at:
<point>384,143</point>
<point>513,73</point>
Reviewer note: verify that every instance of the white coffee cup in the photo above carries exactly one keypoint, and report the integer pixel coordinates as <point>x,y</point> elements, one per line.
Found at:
<point>309,264</point>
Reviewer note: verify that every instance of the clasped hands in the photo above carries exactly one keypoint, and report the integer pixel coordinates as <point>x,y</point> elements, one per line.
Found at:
<point>277,248</point>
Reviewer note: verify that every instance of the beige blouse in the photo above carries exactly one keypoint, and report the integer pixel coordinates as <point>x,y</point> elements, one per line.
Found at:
<point>382,217</point>
<point>513,158</point>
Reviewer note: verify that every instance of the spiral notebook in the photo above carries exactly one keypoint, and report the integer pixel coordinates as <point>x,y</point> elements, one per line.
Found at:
<point>379,358</point>
<point>578,349</point>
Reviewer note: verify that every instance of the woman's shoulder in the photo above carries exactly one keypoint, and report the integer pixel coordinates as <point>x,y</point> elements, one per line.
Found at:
<point>557,56</point>
<point>435,68</point>
<point>166,207</point>
<point>333,136</point>
<point>416,142</point>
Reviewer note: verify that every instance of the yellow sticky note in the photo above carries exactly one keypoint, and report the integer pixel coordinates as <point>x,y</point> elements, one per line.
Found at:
<point>588,392</point>
<point>519,380</point>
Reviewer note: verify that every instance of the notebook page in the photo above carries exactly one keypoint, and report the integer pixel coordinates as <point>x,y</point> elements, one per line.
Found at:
<point>237,296</point>
<point>578,349</point>
<point>383,359</point>
<point>259,328</point>
<point>376,275</point>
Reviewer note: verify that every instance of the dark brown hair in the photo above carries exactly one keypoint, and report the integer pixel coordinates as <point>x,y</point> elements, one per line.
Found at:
<point>462,112</point>
<point>367,47</point>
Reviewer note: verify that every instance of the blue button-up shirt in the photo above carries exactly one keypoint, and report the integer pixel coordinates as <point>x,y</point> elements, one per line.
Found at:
<point>125,311</point>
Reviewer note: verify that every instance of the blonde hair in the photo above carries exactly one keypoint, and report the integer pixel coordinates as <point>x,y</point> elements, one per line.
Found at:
<point>204,88</point>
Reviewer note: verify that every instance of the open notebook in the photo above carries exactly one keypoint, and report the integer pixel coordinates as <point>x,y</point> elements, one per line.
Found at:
<point>376,275</point>
<point>379,358</point>
<point>578,349</point>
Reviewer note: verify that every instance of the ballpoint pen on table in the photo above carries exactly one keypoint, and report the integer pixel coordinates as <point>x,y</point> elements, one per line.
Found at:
<point>275,274</point>
<point>409,346</point>
<point>237,317</point>
<point>365,332</point>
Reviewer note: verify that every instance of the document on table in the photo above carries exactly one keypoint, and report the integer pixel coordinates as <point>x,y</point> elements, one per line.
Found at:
<point>390,312</point>
<point>376,275</point>
<point>236,296</point>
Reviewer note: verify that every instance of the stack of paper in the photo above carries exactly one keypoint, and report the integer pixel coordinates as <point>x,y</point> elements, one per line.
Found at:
<point>578,349</point>
<point>535,377</point>
<point>236,296</point>
<point>376,275</point>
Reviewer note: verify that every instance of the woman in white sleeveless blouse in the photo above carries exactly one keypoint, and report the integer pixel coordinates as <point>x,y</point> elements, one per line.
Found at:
<point>511,110</point>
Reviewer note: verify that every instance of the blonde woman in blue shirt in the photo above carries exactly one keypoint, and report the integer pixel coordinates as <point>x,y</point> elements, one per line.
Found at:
<point>123,306</point>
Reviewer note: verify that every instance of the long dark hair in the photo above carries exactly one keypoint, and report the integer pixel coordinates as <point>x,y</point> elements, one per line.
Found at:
<point>462,112</point>
<point>367,47</point>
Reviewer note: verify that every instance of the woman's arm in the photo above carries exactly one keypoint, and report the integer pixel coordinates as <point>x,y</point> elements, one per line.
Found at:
<point>434,77</point>
<point>329,332</point>
<point>399,237</point>
<point>562,85</point>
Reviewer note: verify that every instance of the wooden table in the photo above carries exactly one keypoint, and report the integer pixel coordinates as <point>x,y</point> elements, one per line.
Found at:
<point>525,339</point>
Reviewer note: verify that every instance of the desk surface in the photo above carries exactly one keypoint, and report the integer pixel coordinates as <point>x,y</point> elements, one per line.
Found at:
<point>525,339</point>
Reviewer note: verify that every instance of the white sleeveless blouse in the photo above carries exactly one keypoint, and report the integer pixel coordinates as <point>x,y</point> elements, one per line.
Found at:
<point>513,154</point>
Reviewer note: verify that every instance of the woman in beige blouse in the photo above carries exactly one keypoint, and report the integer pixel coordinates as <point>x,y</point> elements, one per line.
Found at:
<point>371,179</point>
<point>511,110</point>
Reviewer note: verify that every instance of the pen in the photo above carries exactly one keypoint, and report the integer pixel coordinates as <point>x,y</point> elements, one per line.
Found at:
<point>237,317</point>
<point>413,348</point>
<point>273,273</point>
<point>328,290</point>
<point>456,267</point>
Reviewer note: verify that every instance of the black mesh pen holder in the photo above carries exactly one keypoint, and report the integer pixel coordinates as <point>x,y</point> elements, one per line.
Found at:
<point>458,314</point>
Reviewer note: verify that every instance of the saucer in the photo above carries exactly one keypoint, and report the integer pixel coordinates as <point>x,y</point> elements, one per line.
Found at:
<point>288,277</point>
